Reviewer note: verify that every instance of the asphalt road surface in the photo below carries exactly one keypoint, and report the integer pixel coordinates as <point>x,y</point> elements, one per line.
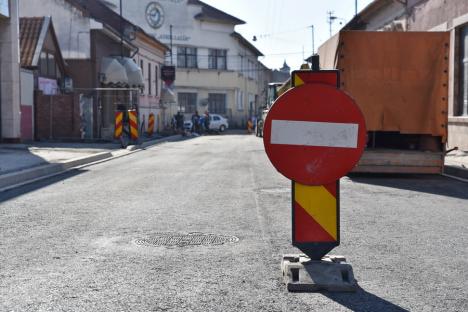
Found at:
<point>76,242</point>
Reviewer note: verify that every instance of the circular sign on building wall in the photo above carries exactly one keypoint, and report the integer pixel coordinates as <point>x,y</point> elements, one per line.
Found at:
<point>154,15</point>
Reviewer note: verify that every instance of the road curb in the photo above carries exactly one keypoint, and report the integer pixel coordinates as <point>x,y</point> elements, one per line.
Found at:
<point>15,179</point>
<point>456,171</point>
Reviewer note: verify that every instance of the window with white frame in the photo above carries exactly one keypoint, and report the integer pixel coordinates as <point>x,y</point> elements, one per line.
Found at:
<point>187,57</point>
<point>240,100</point>
<point>156,80</point>
<point>217,59</point>
<point>251,69</point>
<point>217,103</point>
<point>241,65</point>
<point>187,100</point>
<point>149,78</point>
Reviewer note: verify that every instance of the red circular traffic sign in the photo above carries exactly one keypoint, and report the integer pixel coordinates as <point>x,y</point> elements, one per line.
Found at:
<point>314,134</point>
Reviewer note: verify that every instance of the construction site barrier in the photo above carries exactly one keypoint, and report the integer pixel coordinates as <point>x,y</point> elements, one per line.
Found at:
<point>150,124</point>
<point>118,124</point>
<point>133,122</point>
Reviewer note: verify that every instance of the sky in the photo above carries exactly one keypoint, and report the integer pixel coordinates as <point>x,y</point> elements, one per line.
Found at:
<point>282,27</point>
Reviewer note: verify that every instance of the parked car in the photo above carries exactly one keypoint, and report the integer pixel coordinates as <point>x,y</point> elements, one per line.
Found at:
<point>188,125</point>
<point>218,123</point>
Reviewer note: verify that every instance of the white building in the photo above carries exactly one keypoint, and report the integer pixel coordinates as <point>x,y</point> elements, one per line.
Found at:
<point>9,72</point>
<point>217,69</point>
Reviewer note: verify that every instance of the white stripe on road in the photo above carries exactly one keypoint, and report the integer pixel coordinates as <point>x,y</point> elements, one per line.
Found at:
<point>309,133</point>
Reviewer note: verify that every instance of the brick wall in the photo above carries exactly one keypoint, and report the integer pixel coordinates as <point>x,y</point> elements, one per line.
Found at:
<point>56,117</point>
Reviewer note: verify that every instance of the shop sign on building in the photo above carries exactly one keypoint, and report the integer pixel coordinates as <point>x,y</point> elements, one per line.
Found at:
<point>168,74</point>
<point>47,86</point>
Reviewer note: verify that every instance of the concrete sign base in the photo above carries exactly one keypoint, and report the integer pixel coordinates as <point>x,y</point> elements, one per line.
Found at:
<point>332,273</point>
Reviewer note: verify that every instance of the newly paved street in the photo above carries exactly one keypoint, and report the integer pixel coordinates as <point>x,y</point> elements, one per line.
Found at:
<point>70,243</point>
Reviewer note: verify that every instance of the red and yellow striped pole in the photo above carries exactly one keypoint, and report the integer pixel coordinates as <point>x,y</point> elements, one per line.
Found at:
<point>315,214</point>
<point>315,209</point>
<point>118,125</point>
<point>133,122</point>
<point>150,124</point>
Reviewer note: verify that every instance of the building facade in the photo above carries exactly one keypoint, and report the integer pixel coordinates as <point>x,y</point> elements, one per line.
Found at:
<point>430,15</point>
<point>9,72</point>
<point>217,70</point>
<point>103,53</point>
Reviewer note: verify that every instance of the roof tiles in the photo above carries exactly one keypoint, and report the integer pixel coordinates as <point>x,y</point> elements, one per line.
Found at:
<point>30,30</point>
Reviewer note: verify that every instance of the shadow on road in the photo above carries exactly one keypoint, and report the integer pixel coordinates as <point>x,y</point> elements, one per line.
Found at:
<point>432,184</point>
<point>34,186</point>
<point>363,301</point>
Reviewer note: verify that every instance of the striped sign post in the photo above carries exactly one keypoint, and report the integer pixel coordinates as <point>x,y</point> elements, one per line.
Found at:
<point>150,124</point>
<point>315,209</point>
<point>133,122</point>
<point>315,218</point>
<point>314,134</point>
<point>118,125</point>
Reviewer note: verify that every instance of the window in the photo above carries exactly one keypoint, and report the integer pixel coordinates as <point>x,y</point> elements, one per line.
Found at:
<point>43,64</point>
<point>141,66</point>
<point>149,78</point>
<point>217,59</point>
<point>188,101</point>
<point>252,71</point>
<point>463,99</point>
<point>187,57</point>
<point>240,100</point>
<point>216,118</point>
<point>48,66</point>
<point>156,72</point>
<point>241,65</point>
<point>217,103</point>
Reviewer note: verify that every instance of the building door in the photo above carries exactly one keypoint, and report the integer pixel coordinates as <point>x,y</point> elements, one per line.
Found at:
<point>86,116</point>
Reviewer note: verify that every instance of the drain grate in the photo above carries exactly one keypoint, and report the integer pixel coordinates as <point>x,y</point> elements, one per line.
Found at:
<point>182,240</point>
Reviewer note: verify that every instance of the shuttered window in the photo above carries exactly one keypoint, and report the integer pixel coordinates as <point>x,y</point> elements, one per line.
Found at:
<point>217,103</point>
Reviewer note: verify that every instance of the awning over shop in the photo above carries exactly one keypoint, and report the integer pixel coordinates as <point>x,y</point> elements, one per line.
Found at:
<point>121,72</point>
<point>134,73</point>
<point>113,72</point>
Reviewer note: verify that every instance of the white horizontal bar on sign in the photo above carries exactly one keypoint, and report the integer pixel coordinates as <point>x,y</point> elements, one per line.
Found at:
<point>310,133</point>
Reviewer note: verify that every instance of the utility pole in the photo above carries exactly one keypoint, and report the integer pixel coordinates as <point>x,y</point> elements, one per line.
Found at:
<point>355,7</point>
<point>121,31</point>
<point>313,39</point>
<point>331,18</point>
<point>170,35</point>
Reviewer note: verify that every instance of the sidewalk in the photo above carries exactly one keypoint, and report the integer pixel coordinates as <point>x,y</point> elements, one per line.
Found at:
<point>24,163</point>
<point>456,164</point>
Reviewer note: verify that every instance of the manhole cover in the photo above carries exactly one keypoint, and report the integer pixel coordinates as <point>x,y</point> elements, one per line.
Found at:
<point>190,239</point>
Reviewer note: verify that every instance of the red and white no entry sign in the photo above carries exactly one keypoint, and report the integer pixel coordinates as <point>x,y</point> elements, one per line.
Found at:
<point>314,134</point>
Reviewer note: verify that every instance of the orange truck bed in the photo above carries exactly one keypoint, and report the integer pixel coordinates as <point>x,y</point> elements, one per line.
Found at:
<point>400,82</point>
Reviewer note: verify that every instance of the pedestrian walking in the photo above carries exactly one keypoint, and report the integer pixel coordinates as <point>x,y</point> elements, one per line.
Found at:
<point>207,121</point>
<point>249,126</point>
<point>180,123</point>
<point>195,122</point>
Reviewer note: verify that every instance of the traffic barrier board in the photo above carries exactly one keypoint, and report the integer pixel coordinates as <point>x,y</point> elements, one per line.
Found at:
<point>315,216</point>
<point>118,125</point>
<point>133,122</point>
